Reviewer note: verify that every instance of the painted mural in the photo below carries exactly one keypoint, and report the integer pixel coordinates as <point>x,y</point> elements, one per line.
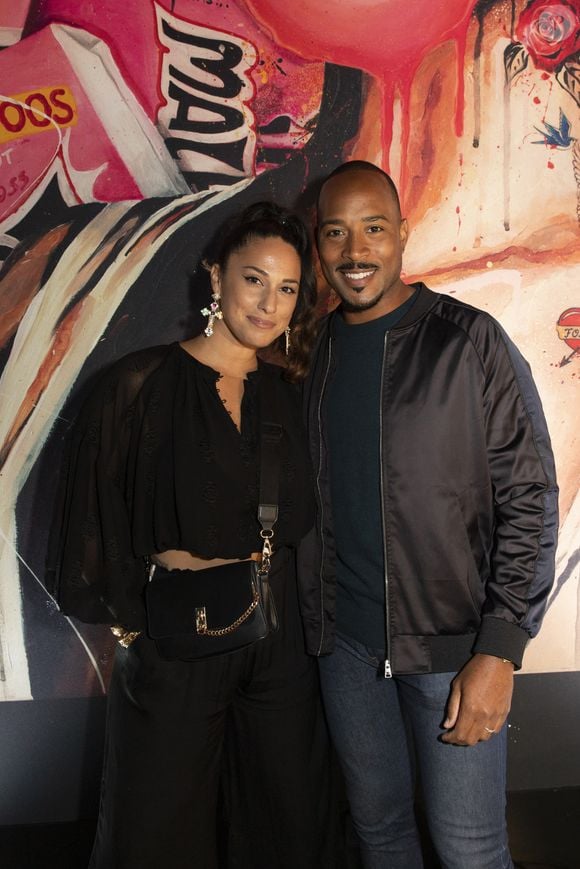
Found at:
<point>128,132</point>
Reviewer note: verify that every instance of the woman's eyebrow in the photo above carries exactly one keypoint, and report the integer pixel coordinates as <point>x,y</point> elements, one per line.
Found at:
<point>266,274</point>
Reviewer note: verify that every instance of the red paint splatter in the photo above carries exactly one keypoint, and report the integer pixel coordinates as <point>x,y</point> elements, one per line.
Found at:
<point>537,101</point>
<point>545,76</point>
<point>550,164</point>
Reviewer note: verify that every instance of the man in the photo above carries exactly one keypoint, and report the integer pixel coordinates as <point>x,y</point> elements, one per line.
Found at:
<point>433,553</point>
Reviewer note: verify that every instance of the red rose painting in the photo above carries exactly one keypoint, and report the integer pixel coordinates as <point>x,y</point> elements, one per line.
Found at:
<point>550,32</point>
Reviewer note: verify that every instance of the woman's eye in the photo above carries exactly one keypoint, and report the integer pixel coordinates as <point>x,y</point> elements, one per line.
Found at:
<point>333,233</point>
<point>252,279</point>
<point>288,290</point>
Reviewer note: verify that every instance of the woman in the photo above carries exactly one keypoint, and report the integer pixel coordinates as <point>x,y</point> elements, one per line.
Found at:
<point>165,467</point>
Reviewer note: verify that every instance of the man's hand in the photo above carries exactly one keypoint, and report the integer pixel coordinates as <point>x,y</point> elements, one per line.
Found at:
<point>479,701</point>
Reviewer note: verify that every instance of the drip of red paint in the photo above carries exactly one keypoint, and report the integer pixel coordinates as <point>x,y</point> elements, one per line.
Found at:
<point>460,49</point>
<point>384,39</point>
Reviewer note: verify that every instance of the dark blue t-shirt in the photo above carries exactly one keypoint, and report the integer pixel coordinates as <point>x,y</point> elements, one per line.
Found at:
<point>352,434</point>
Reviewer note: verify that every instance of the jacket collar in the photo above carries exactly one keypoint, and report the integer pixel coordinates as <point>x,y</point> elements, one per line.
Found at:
<point>425,300</point>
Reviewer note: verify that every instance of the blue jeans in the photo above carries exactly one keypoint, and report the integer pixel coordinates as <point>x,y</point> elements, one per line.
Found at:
<point>371,719</point>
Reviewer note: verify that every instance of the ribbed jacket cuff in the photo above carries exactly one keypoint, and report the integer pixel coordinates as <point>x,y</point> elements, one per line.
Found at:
<point>502,639</point>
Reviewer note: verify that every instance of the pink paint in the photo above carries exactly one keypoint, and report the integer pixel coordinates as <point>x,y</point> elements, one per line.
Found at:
<point>286,85</point>
<point>74,139</point>
<point>389,39</point>
<point>13,14</point>
<point>380,37</point>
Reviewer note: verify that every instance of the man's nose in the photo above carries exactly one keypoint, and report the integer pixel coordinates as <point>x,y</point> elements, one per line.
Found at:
<point>355,246</point>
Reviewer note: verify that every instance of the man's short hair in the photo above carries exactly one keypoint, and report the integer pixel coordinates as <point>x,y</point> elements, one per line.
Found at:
<point>364,166</point>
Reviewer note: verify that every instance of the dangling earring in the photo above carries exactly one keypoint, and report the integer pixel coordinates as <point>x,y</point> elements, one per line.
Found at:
<point>214,312</point>
<point>287,331</point>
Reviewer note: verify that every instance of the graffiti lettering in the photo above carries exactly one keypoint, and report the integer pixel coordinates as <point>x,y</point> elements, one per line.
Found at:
<point>566,332</point>
<point>14,185</point>
<point>5,156</point>
<point>36,111</point>
<point>206,118</point>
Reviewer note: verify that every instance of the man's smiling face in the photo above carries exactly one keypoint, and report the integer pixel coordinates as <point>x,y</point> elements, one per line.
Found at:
<point>361,239</point>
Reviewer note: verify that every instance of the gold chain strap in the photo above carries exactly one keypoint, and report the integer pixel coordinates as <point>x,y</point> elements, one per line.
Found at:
<point>201,620</point>
<point>200,612</point>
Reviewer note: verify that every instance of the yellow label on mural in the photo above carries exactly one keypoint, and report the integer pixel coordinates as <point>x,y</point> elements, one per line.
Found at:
<point>36,112</point>
<point>569,333</point>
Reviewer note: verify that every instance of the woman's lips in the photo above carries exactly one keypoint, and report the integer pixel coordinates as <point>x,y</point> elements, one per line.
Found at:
<point>261,324</point>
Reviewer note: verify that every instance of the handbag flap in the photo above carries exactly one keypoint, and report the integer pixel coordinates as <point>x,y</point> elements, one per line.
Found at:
<point>173,597</point>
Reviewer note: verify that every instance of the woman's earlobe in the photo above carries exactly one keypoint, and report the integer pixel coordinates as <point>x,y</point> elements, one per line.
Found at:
<point>215,279</point>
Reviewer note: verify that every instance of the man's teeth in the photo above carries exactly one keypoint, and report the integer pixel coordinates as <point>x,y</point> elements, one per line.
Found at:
<point>358,276</point>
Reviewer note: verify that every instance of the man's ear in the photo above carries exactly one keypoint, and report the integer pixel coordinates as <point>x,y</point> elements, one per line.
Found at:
<point>404,232</point>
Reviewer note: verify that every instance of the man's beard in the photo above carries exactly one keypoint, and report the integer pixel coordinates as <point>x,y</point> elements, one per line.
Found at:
<point>352,306</point>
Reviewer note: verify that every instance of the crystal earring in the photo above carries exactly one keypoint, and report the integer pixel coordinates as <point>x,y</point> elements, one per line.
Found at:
<point>214,312</point>
<point>287,331</point>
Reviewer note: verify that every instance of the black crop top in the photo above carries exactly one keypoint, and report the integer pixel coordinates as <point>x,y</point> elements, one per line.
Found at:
<point>157,463</point>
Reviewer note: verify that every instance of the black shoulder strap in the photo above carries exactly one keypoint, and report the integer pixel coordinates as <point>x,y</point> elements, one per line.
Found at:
<point>270,437</point>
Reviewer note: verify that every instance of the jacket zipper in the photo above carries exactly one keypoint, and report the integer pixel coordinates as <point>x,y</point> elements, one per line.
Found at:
<point>319,417</point>
<point>388,672</point>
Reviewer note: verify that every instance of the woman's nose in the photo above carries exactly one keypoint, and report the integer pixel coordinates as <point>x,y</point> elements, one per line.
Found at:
<point>267,302</point>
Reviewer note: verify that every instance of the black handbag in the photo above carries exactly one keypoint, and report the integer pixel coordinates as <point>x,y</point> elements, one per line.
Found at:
<point>194,614</point>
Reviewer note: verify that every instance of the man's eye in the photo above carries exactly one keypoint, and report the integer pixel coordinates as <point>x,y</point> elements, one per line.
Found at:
<point>332,233</point>
<point>375,228</point>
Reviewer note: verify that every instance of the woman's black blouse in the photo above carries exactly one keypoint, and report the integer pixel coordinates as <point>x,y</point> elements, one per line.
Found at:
<point>157,463</point>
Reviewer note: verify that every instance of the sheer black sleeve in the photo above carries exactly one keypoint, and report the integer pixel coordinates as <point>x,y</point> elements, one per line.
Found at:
<point>93,571</point>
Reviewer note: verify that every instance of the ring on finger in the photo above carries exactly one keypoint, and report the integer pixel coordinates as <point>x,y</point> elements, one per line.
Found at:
<point>487,729</point>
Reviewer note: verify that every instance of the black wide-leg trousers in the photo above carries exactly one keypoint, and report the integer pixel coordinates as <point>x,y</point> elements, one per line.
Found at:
<point>244,731</point>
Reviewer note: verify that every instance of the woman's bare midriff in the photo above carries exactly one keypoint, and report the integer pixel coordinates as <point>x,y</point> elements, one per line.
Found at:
<point>178,559</point>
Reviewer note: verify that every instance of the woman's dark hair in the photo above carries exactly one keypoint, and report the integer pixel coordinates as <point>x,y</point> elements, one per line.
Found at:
<point>267,220</point>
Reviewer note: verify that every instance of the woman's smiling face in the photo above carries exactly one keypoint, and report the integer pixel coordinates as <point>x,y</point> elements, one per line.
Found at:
<point>258,289</point>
